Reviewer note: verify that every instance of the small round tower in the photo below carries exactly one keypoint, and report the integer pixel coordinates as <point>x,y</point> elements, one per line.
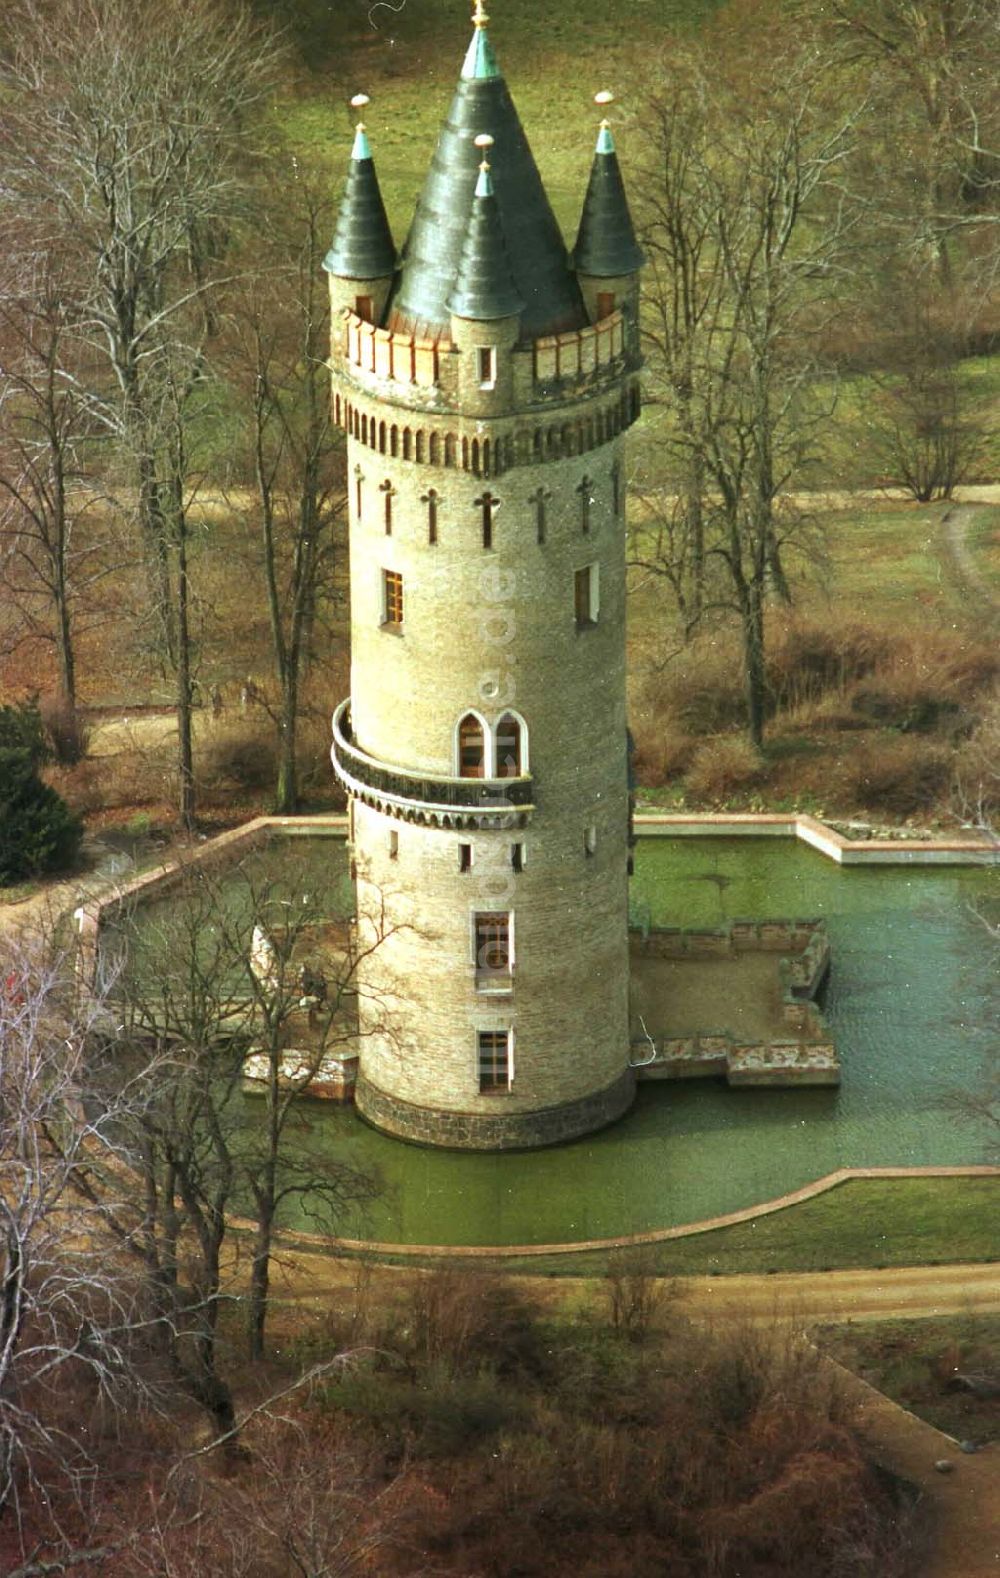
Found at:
<point>485,387</point>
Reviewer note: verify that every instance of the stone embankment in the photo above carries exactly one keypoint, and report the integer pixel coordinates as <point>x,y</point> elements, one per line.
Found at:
<point>808,1057</point>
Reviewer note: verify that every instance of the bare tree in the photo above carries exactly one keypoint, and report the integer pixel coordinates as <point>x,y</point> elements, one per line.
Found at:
<point>73,1335</point>
<point>749,227</point>
<point>938,95</point>
<point>922,431</point>
<point>123,138</point>
<point>280,321</point>
<point>244,965</point>
<point>54,543</point>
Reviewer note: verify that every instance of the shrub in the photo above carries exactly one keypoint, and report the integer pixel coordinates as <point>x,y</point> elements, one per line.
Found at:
<point>38,831</point>
<point>809,659</point>
<point>901,775</point>
<point>21,729</point>
<point>634,1294</point>
<point>662,751</point>
<point>705,690</point>
<point>977,772</point>
<point>64,730</point>
<point>241,756</point>
<point>465,1319</point>
<point>723,767</point>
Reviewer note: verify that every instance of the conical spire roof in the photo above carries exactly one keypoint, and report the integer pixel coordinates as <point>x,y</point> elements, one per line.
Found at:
<point>606,245</point>
<point>484,285</point>
<point>362,241</point>
<point>434,248</point>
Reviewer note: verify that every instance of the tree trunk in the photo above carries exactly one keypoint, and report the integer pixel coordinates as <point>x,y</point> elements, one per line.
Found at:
<point>755,676</point>
<point>185,761</point>
<point>260,1273</point>
<point>286,797</point>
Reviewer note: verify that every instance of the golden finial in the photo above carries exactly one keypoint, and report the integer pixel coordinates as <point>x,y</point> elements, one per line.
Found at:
<point>358,103</point>
<point>479,17</point>
<point>603,100</point>
<point>484,142</point>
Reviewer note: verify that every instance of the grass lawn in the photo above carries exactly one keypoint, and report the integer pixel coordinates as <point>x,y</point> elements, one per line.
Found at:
<point>863,1223</point>
<point>408,58</point>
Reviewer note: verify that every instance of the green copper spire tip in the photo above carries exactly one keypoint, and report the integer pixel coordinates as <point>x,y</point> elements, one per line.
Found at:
<point>605,141</point>
<point>480,61</point>
<point>484,185</point>
<point>362,147</point>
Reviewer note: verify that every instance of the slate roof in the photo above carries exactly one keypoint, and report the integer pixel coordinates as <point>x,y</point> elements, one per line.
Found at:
<point>362,241</point>
<point>434,248</point>
<point>484,286</point>
<point>606,245</point>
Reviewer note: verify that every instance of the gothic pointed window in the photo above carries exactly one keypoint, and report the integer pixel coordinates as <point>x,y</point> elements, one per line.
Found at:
<point>471,748</point>
<point>508,747</point>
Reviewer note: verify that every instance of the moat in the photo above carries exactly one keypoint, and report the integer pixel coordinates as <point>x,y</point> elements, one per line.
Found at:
<point>911,1003</point>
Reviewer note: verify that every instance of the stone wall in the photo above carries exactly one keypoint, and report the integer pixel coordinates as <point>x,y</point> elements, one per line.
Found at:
<point>496,1131</point>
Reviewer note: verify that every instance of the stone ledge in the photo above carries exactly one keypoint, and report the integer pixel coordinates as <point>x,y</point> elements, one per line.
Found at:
<point>501,1131</point>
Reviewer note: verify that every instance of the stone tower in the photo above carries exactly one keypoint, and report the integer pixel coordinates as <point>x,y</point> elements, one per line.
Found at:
<point>485,382</point>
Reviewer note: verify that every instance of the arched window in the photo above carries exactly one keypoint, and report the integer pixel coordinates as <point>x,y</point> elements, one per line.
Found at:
<point>510,747</point>
<point>471,748</point>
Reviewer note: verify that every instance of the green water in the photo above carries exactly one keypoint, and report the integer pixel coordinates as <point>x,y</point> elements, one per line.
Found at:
<point>912,1001</point>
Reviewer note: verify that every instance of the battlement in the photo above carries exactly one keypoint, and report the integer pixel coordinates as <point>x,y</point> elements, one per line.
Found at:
<point>389,354</point>
<point>410,370</point>
<point>581,352</point>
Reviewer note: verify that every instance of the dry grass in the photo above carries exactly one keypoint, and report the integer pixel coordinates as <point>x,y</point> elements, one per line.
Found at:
<point>723,767</point>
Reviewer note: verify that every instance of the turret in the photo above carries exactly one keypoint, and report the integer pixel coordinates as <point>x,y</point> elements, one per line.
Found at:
<point>485,304</point>
<point>607,256</point>
<point>361,261</point>
<point>535,248</point>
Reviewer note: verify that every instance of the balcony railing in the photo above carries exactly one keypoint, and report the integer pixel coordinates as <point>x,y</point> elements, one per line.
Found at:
<point>437,796</point>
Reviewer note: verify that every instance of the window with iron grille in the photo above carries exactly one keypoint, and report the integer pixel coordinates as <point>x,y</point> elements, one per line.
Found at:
<point>471,748</point>
<point>509,747</point>
<point>493,950</point>
<point>392,597</point>
<point>495,1072</point>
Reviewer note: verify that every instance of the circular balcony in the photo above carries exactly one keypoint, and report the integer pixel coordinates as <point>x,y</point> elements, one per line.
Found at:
<point>427,797</point>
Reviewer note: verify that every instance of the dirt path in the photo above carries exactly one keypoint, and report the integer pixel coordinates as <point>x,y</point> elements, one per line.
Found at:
<point>955,524</point>
<point>40,912</point>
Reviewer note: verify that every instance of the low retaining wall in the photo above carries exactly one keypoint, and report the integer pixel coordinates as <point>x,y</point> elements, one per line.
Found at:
<point>808,1059</point>
<point>658,1235</point>
<point>976,851</point>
